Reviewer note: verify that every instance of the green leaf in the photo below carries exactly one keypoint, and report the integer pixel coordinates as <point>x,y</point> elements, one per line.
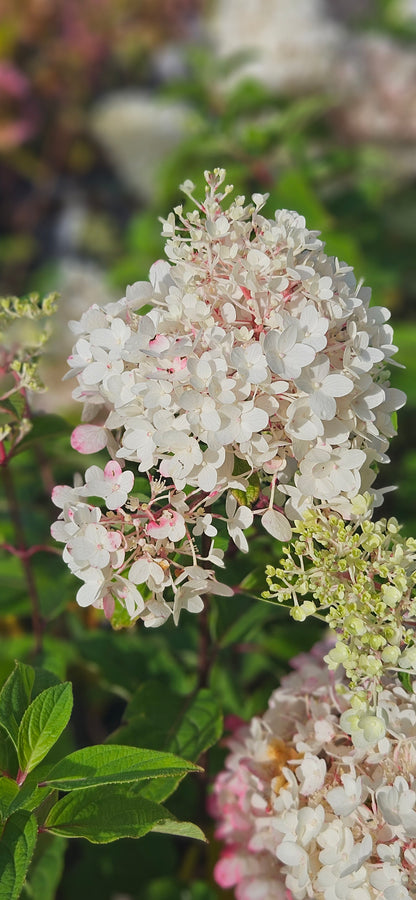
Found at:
<point>30,795</point>
<point>42,724</point>
<point>110,764</point>
<point>104,814</point>
<point>8,755</point>
<point>43,428</point>
<point>253,489</point>
<point>17,844</point>
<point>241,466</point>
<point>18,404</point>
<point>46,868</point>
<point>43,679</point>
<point>182,829</point>
<point>406,681</point>
<point>15,698</point>
<point>8,791</point>
<point>163,720</point>
<point>240,496</point>
<point>248,497</point>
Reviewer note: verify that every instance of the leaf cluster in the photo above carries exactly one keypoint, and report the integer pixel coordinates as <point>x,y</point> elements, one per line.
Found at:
<point>101,793</point>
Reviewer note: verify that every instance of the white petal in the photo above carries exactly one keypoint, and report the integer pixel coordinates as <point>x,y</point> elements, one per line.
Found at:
<point>89,592</point>
<point>323,406</point>
<point>337,385</point>
<point>139,571</point>
<point>255,419</point>
<point>244,517</point>
<point>277,525</point>
<point>290,853</point>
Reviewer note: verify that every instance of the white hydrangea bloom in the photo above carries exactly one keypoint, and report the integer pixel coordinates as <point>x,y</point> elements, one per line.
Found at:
<point>258,346</point>
<point>290,46</point>
<point>250,351</point>
<point>302,811</point>
<point>137,133</point>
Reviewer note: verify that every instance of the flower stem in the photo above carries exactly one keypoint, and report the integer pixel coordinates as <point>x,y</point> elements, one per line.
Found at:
<point>204,649</point>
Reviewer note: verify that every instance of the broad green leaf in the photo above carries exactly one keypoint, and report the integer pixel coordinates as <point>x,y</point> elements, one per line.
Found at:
<point>8,791</point>
<point>46,868</point>
<point>110,764</point>
<point>43,679</point>
<point>17,844</point>
<point>241,629</point>
<point>181,725</point>
<point>8,755</point>
<point>42,724</point>
<point>30,795</point>
<point>185,726</point>
<point>18,404</point>
<point>15,698</point>
<point>104,814</point>
<point>182,829</point>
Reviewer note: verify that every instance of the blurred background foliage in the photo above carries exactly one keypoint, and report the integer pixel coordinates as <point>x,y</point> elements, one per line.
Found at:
<point>106,106</point>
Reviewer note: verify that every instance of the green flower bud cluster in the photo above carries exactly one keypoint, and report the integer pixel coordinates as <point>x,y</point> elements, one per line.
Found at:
<point>31,307</point>
<point>22,337</point>
<point>359,577</point>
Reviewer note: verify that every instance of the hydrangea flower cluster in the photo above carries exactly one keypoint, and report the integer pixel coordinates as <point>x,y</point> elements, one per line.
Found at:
<point>364,575</point>
<point>250,362</point>
<point>304,813</point>
<point>139,559</point>
<point>256,345</point>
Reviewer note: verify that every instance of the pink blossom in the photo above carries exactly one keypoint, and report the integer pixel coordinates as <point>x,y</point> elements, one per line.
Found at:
<point>88,438</point>
<point>299,809</point>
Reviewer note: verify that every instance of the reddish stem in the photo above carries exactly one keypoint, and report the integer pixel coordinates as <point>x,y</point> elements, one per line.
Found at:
<point>30,551</point>
<point>21,777</point>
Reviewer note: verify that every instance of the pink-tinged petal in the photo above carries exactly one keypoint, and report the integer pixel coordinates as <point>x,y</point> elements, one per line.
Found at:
<point>112,470</point>
<point>159,343</point>
<point>62,494</point>
<point>229,870</point>
<point>114,539</point>
<point>155,529</point>
<point>109,605</point>
<point>88,438</point>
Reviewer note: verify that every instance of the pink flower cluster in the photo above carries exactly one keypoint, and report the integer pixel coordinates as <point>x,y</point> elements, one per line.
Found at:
<point>303,813</point>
